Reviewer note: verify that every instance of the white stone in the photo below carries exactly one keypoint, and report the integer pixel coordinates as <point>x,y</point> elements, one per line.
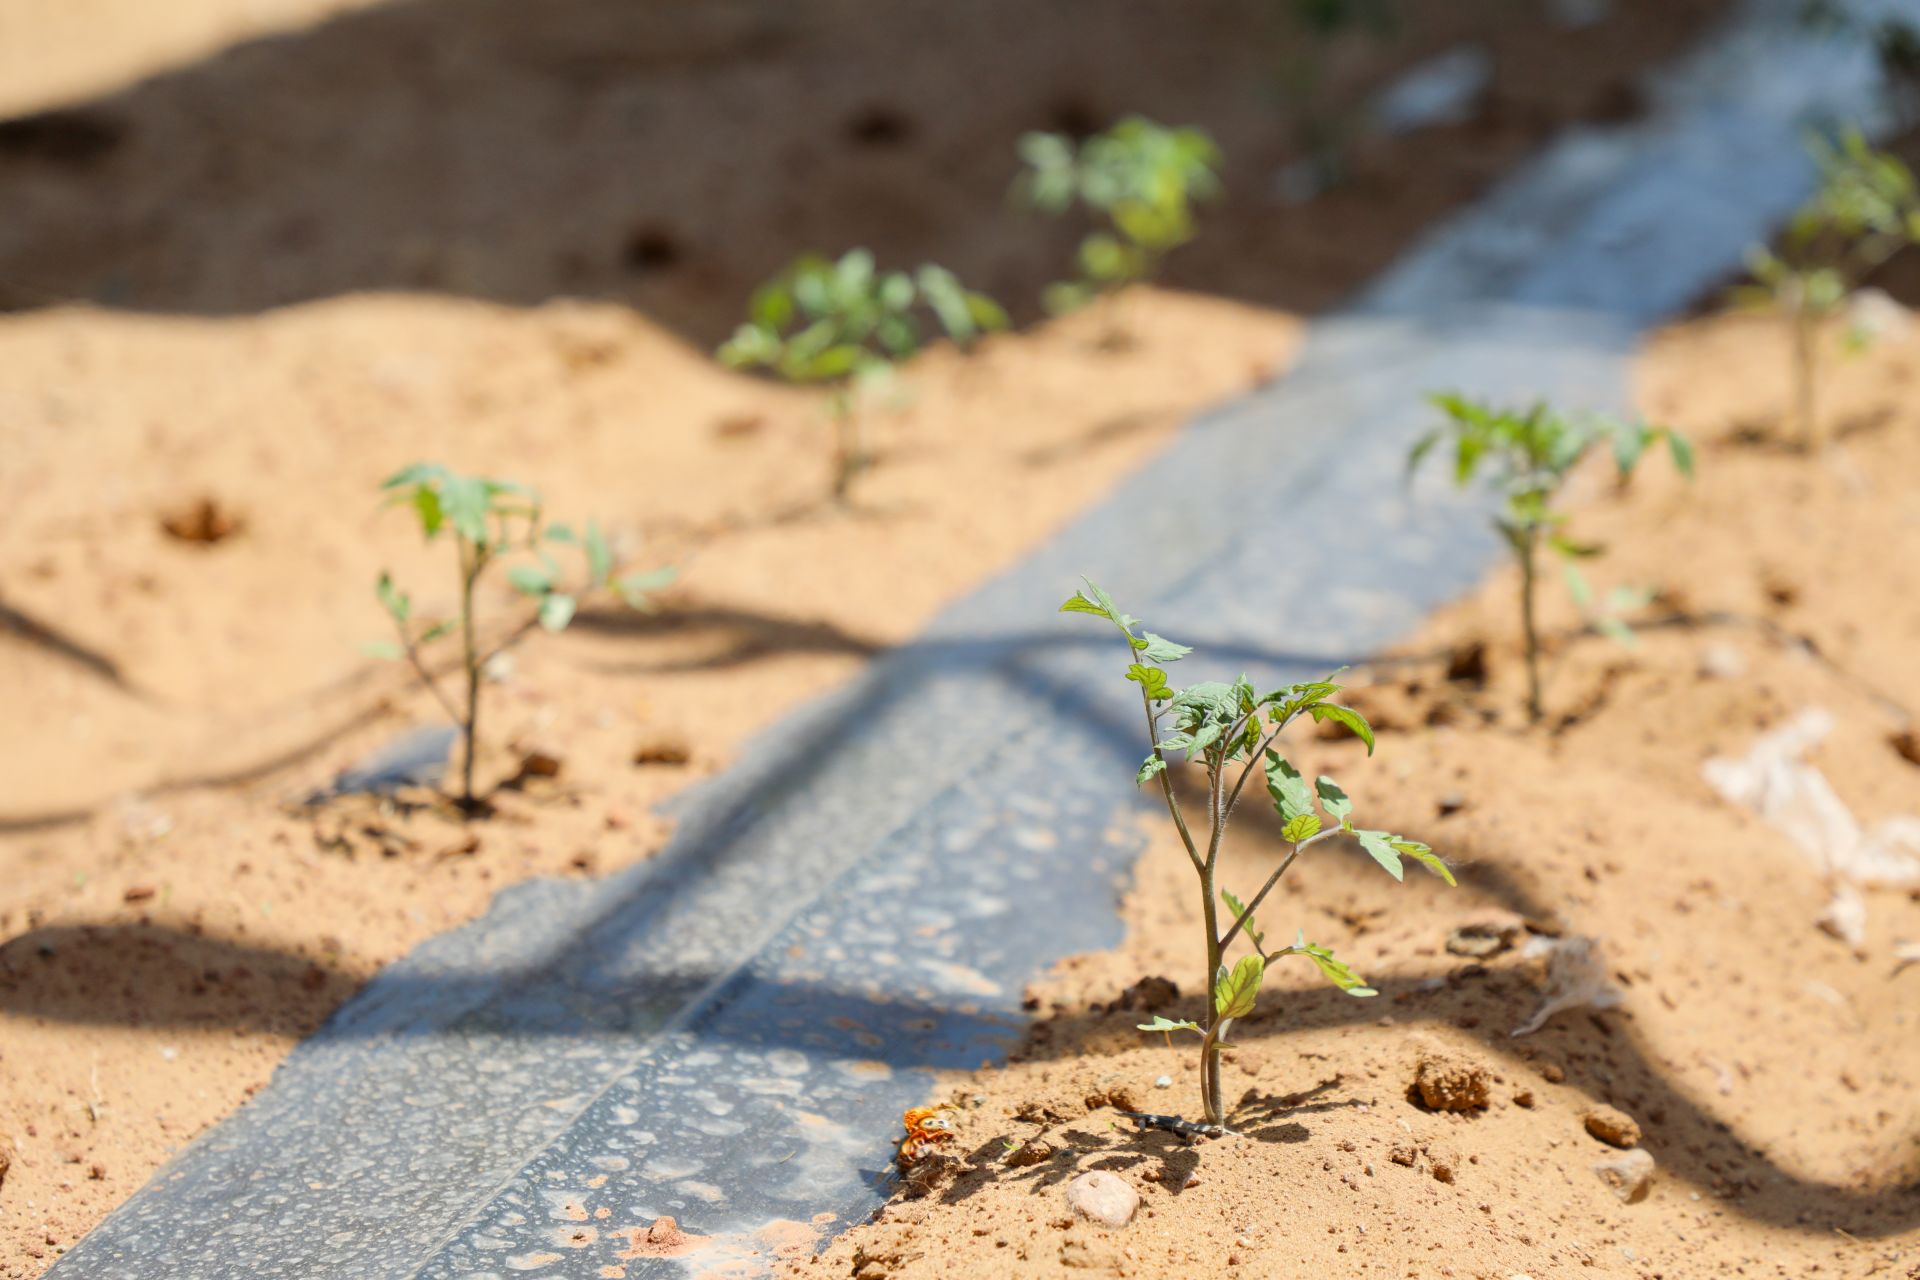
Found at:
<point>1103,1197</point>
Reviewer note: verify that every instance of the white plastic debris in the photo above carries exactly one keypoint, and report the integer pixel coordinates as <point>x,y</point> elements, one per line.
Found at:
<point>1775,782</point>
<point>1576,977</point>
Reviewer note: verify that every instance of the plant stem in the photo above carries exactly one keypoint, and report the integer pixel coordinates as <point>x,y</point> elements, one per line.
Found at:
<point>1805,353</point>
<point>1210,1102</point>
<point>1529,625</point>
<point>848,457</point>
<point>470,654</point>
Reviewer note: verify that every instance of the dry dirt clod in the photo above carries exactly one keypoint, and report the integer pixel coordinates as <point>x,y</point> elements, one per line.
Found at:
<point>137,893</point>
<point>1149,995</point>
<point>662,751</point>
<point>1029,1153</point>
<point>1612,1125</point>
<point>1629,1174</point>
<point>203,521</point>
<point>1445,1081</point>
<point>1103,1197</point>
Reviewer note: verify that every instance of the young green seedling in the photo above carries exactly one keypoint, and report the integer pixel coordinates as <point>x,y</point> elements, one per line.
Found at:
<point>1142,179</point>
<point>1865,211</point>
<point>1530,453</point>
<point>1228,729</point>
<point>844,325</point>
<point>490,521</point>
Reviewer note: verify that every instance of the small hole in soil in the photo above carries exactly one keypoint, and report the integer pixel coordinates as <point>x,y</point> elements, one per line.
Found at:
<point>652,248</point>
<point>879,126</point>
<point>1907,743</point>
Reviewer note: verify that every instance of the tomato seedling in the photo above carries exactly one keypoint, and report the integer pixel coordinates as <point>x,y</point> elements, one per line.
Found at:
<point>845,325</point>
<point>1140,178</point>
<point>1530,453</point>
<point>1228,729</point>
<point>1865,211</point>
<point>490,521</point>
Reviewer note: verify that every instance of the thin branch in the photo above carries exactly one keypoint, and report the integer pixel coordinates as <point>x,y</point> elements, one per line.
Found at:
<point>1273,880</point>
<point>427,678</point>
<point>1166,781</point>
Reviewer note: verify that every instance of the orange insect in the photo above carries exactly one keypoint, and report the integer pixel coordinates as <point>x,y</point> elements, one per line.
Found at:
<point>926,1128</point>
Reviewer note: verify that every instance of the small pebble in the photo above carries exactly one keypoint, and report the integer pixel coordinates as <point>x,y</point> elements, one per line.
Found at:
<point>1164,1082</point>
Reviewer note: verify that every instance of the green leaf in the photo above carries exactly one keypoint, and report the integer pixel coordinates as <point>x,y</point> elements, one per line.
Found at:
<point>437,630</point>
<point>1680,449</point>
<point>599,555</point>
<point>426,505</point>
<point>556,611</point>
<point>1380,845</point>
<point>1288,789</point>
<point>1151,766</point>
<point>1425,856</point>
<point>635,589</point>
<point>1335,971</point>
<point>1332,798</point>
<point>1234,993</point>
<point>531,579</point>
<point>562,533</point>
<point>1239,909</point>
<point>385,650</point>
<point>1347,716</point>
<point>1304,827</point>
<point>1152,680</point>
<point>1162,1023</point>
<point>395,601</point>
<point>1160,649</point>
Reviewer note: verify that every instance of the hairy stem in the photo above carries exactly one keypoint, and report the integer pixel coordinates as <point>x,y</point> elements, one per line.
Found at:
<point>1210,1100</point>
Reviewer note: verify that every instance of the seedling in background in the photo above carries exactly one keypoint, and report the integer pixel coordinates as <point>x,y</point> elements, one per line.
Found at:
<point>1530,453</point>
<point>1141,178</point>
<point>490,521</point>
<point>1308,44</point>
<point>1228,729</point>
<point>844,325</point>
<point>1866,210</point>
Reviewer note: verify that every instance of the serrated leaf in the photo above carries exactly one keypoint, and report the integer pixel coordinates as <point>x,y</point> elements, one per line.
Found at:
<point>1380,845</point>
<point>1334,970</point>
<point>1239,909</point>
<point>1304,827</point>
<point>1288,789</point>
<point>1347,716</point>
<point>1425,856</point>
<point>1160,649</point>
<point>1234,994</point>
<point>1332,798</point>
<point>1152,681</point>
<point>556,611</point>
<point>1162,1023</point>
<point>1152,766</point>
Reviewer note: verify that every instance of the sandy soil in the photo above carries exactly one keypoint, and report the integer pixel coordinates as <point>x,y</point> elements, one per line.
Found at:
<point>1768,1065</point>
<point>276,269</point>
